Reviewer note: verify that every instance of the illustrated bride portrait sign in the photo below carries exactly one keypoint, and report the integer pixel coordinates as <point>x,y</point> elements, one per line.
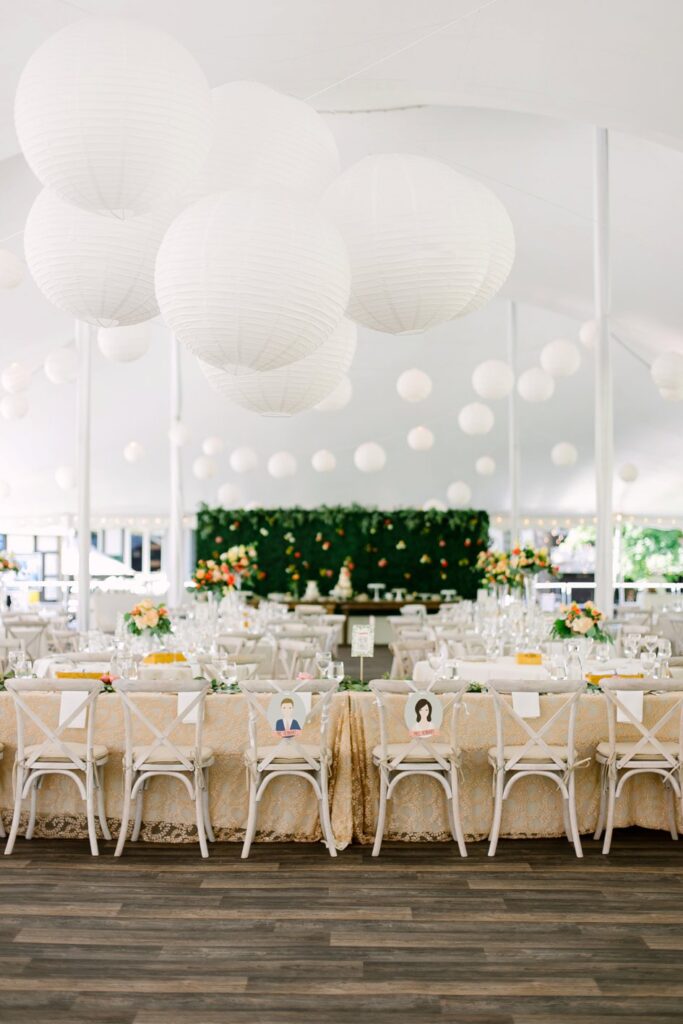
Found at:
<point>423,714</point>
<point>287,714</point>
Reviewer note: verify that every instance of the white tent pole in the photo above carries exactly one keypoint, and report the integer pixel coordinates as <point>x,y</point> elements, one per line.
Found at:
<point>604,414</point>
<point>175,523</point>
<point>84,336</point>
<point>513,427</point>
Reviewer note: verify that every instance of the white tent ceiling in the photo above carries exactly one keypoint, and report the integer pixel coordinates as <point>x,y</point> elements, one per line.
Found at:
<point>509,94</point>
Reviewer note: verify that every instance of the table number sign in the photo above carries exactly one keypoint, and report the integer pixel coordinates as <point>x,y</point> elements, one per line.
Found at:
<point>363,643</point>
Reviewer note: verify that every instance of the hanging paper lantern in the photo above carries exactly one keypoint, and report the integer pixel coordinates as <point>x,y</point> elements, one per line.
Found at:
<point>628,473</point>
<point>114,115</point>
<point>61,365</point>
<point>204,467</point>
<point>370,457</point>
<point>323,461</point>
<point>667,371</point>
<point>264,139</point>
<point>420,439</point>
<point>560,358</point>
<point>15,378</point>
<point>476,418</point>
<point>420,238</point>
<point>493,379</point>
<point>229,496</point>
<point>672,394</point>
<point>14,407</point>
<point>97,269</point>
<point>564,454</point>
<point>500,237</point>
<point>178,433</point>
<point>212,445</point>
<point>459,494</point>
<point>338,399</point>
<point>281,465</point>
<point>65,477</point>
<point>535,385</point>
<point>133,451</point>
<point>5,489</point>
<point>124,344</point>
<point>435,505</point>
<point>11,270</point>
<point>414,385</point>
<point>293,388</point>
<point>588,334</point>
<point>250,281</point>
<point>242,460</point>
<point>485,465</point>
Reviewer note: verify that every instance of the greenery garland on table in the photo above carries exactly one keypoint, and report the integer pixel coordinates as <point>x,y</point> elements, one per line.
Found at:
<point>424,552</point>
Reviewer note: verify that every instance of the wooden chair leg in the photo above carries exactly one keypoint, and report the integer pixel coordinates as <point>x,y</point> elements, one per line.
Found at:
<point>576,838</point>
<point>673,827</point>
<point>90,810</point>
<point>325,820</point>
<point>603,803</point>
<point>101,812</point>
<point>497,814</point>
<point>199,811</point>
<point>33,802</point>
<point>382,811</point>
<point>14,828</point>
<point>137,825</point>
<point>458,834</point>
<point>611,801</point>
<point>125,814</point>
<point>251,819</point>
<point>208,827</point>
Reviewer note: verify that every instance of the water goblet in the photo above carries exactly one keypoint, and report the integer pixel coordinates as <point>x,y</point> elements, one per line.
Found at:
<point>630,644</point>
<point>335,671</point>
<point>322,660</point>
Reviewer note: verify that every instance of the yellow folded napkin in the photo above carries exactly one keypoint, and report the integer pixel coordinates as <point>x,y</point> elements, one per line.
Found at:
<point>80,675</point>
<point>595,677</point>
<point>528,658</point>
<point>163,658</point>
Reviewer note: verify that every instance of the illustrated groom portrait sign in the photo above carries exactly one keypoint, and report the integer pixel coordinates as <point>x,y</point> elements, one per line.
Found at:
<point>287,715</point>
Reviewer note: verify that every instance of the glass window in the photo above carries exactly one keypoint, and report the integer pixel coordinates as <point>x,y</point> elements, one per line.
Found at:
<point>113,543</point>
<point>155,551</point>
<point>136,551</point>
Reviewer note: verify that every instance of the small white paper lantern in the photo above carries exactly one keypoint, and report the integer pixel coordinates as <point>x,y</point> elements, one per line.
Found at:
<point>124,344</point>
<point>560,358</point>
<point>369,457</point>
<point>564,454</point>
<point>114,115</point>
<point>435,505</point>
<point>588,334</point>
<point>485,465</point>
<point>672,394</point>
<point>5,489</point>
<point>493,379</point>
<point>281,465</point>
<point>11,270</point>
<point>204,467</point>
<point>250,281</point>
<point>61,365</point>
<point>14,407</point>
<point>476,418</point>
<point>133,451</point>
<point>178,433</point>
<point>628,473</point>
<point>97,269</point>
<point>65,477</point>
<point>459,494</point>
<point>212,445</point>
<point>323,461</point>
<point>667,370</point>
<point>338,399</point>
<point>420,439</point>
<point>243,460</point>
<point>229,496</point>
<point>414,385</point>
<point>535,385</point>
<point>15,378</point>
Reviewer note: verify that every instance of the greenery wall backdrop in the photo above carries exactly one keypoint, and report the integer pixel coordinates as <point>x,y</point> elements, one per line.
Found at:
<point>425,552</point>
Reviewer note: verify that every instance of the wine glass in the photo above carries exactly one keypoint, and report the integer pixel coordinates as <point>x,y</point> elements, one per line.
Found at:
<point>648,661</point>
<point>630,644</point>
<point>335,671</point>
<point>450,670</point>
<point>322,660</point>
<point>228,673</point>
<point>557,666</point>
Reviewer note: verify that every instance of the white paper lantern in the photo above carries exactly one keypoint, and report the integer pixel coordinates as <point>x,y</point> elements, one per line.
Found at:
<point>61,365</point>
<point>204,467</point>
<point>243,460</point>
<point>338,399</point>
<point>672,394</point>
<point>229,496</point>
<point>114,115</point>
<point>212,445</point>
<point>459,494</point>
<point>485,465</point>
<point>435,505</point>
<point>667,370</point>
<point>628,472</point>
<point>178,433</point>
<point>97,269</point>
<point>414,385</point>
<point>11,270</point>
<point>588,334</point>
<point>493,379</point>
<point>124,344</point>
<point>133,451</point>
<point>420,439</point>
<point>294,388</point>
<point>560,358</point>
<point>5,489</point>
<point>323,461</point>
<point>419,239</point>
<point>535,385</point>
<point>15,378</point>
<point>263,139</point>
<point>476,418</point>
<point>14,407</point>
<point>370,457</point>
<point>564,454</point>
<point>500,236</point>
<point>247,280</point>
<point>65,477</point>
<point>281,465</point>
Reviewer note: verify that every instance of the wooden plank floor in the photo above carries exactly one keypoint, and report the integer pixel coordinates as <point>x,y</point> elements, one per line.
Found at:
<point>290,936</point>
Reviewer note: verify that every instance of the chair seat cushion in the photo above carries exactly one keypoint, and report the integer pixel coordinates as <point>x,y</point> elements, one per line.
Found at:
<point>418,754</point>
<point>163,754</point>
<point>646,753</point>
<point>53,752</point>
<point>312,750</point>
<point>535,754</point>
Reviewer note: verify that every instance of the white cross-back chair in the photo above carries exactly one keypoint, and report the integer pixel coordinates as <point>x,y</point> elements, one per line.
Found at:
<point>7,645</point>
<point>645,753</point>
<point>293,657</point>
<point>60,641</point>
<point>437,758</point>
<point>536,755</point>
<point>408,651</point>
<point>32,630</point>
<point>303,611</point>
<point>289,756</point>
<point>161,754</point>
<point>55,754</point>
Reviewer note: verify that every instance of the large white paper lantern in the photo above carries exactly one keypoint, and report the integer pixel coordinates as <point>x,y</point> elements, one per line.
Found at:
<point>419,240</point>
<point>251,281</point>
<point>243,460</point>
<point>281,465</point>
<point>266,140</point>
<point>15,378</point>
<point>124,344</point>
<point>61,365</point>
<point>435,505</point>
<point>370,457</point>
<point>628,473</point>
<point>500,246</point>
<point>338,399</point>
<point>212,445</point>
<point>114,115</point>
<point>178,433</point>
<point>493,379</point>
<point>667,370</point>
<point>476,418</point>
<point>485,465</point>
<point>65,477</point>
<point>672,394</point>
<point>5,489</point>
<point>560,358</point>
<point>133,451</point>
<point>11,270</point>
<point>323,461</point>
<point>294,388</point>
<point>588,334</point>
<point>420,439</point>
<point>97,269</point>
<point>535,385</point>
<point>204,467</point>
<point>14,407</point>
<point>459,494</point>
<point>414,385</point>
<point>564,454</point>
<point>229,496</point>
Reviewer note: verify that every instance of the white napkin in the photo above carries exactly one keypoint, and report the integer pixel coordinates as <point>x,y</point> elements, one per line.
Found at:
<point>184,701</point>
<point>69,700</point>
<point>526,705</point>
<point>633,700</point>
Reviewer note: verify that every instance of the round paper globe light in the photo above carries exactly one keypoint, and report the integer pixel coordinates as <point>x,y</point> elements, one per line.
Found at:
<point>493,379</point>
<point>250,281</point>
<point>124,344</point>
<point>459,494</point>
<point>337,399</point>
<point>178,433</point>
<point>5,489</point>
<point>11,270</point>
<point>282,465</point>
<point>667,370</point>
<point>243,460</point>
<point>212,445</point>
<point>560,358</point>
<point>500,237</point>
<point>628,472</point>
<point>14,407</point>
<point>672,394</point>
<point>323,461</point>
<point>476,418</point>
<point>435,505</point>
<point>15,378</point>
<point>564,454</point>
<point>61,365</point>
<point>229,496</point>
<point>203,467</point>
<point>535,385</point>
<point>485,465</point>
<point>133,451</point>
<point>414,385</point>
<point>65,477</point>
<point>114,115</point>
<point>370,457</point>
<point>588,334</point>
<point>420,439</point>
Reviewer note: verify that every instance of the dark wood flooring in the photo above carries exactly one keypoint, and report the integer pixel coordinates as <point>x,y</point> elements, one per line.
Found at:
<point>293,937</point>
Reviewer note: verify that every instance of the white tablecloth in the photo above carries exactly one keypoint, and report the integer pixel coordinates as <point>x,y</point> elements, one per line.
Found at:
<point>507,668</point>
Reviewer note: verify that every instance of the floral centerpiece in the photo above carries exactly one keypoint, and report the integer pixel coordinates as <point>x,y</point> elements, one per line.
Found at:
<point>148,619</point>
<point>7,563</point>
<point>230,571</point>
<point>576,622</point>
<point>532,561</point>
<point>496,569</point>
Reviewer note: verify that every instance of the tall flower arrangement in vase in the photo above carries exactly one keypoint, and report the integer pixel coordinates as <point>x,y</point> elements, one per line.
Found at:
<point>497,569</point>
<point>230,571</point>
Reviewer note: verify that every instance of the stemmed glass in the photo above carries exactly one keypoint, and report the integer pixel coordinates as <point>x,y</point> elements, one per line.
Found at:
<point>322,660</point>
<point>630,644</point>
<point>335,671</point>
<point>19,663</point>
<point>449,670</point>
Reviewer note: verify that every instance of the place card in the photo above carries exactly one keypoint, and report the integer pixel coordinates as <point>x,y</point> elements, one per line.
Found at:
<point>185,698</point>
<point>633,701</point>
<point>69,700</point>
<point>526,705</point>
